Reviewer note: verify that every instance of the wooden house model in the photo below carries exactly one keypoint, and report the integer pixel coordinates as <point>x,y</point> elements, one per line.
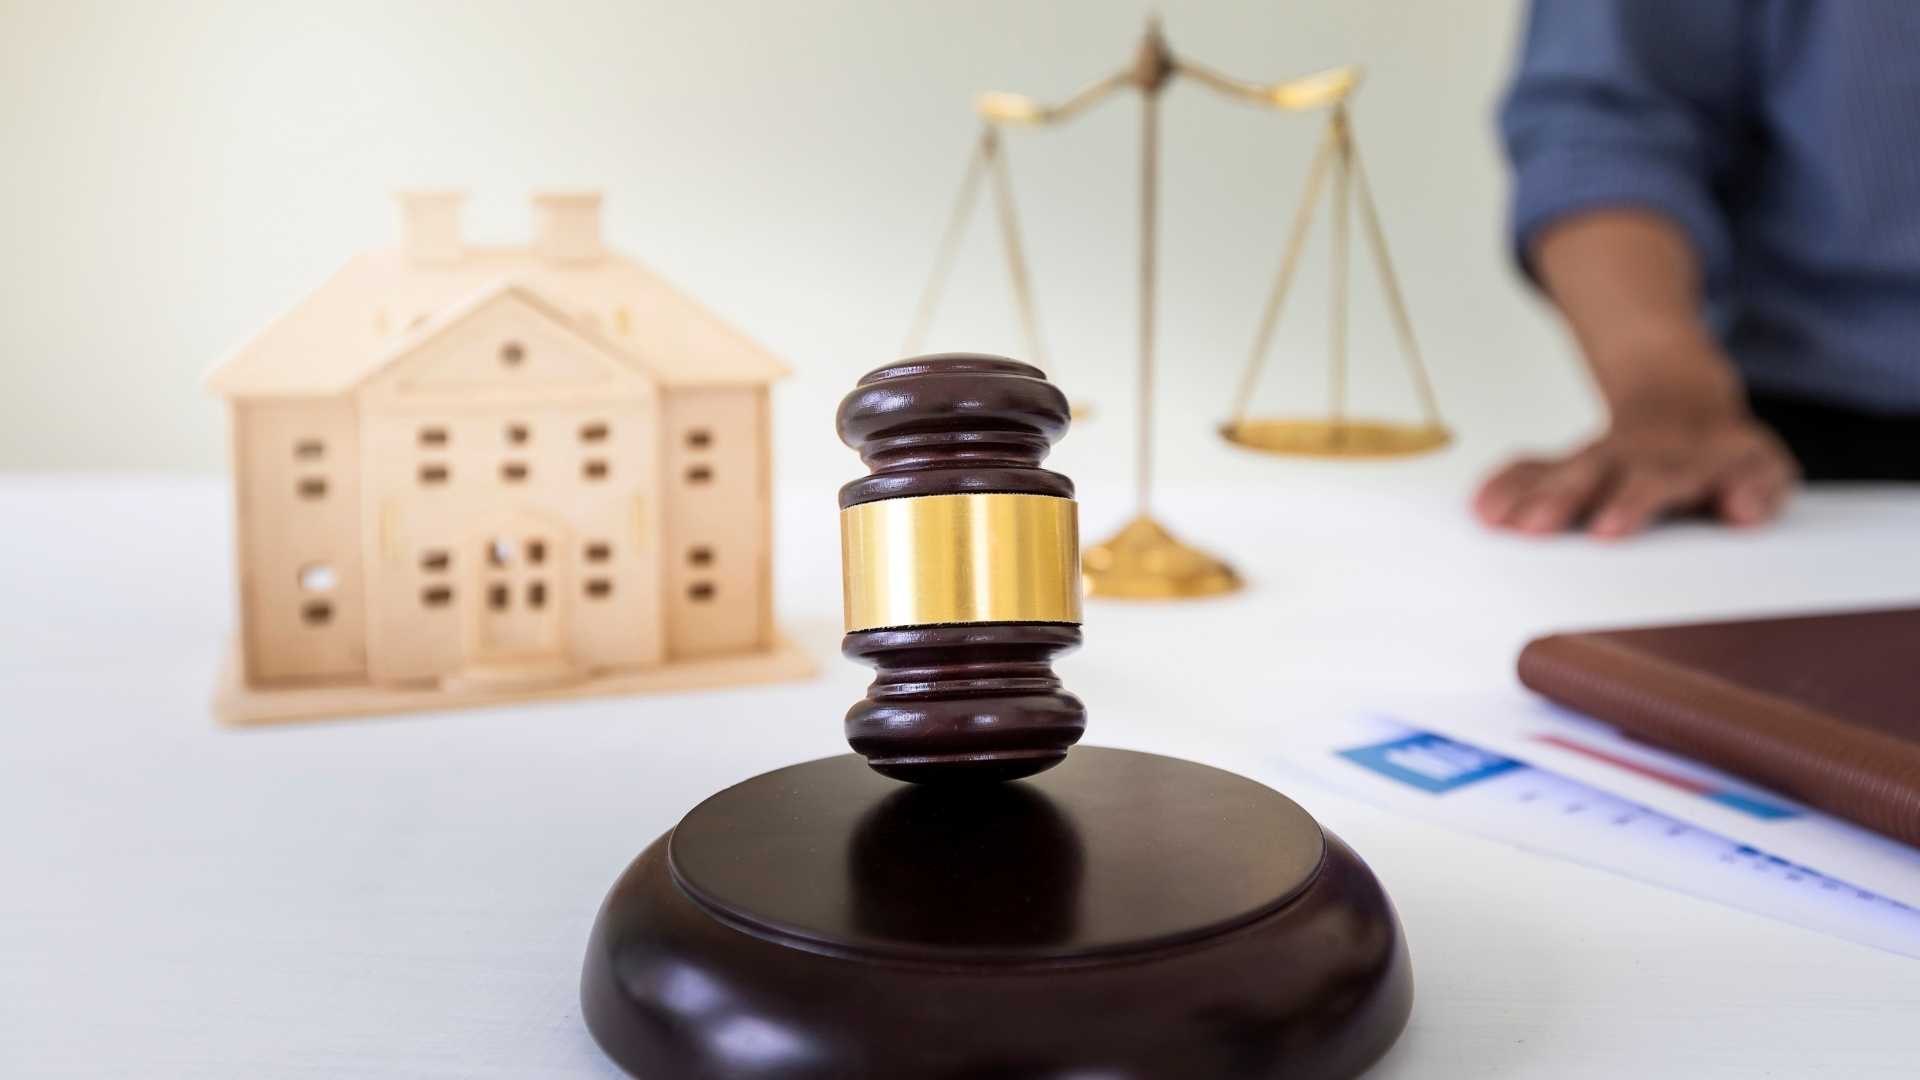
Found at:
<point>465,473</point>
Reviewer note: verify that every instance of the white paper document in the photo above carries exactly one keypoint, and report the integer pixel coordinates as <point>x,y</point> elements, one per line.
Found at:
<point>1526,727</point>
<point>1453,780</point>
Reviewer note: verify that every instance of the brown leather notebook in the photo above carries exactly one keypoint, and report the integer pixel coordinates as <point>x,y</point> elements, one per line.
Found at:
<point>1823,708</point>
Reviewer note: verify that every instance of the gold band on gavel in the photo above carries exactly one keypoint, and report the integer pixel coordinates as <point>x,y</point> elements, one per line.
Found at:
<point>960,559</point>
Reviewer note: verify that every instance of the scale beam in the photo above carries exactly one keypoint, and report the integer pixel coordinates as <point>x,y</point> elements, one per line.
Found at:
<point>1320,90</point>
<point>1018,110</point>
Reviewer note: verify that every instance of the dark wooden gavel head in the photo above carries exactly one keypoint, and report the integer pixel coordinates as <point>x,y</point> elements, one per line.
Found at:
<point>961,561</point>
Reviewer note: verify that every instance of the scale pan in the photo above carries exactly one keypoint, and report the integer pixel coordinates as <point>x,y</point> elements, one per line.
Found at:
<point>1336,438</point>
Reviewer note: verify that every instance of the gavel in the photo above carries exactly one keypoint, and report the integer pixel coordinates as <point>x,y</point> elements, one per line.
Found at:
<point>1128,914</point>
<point>960,559</point>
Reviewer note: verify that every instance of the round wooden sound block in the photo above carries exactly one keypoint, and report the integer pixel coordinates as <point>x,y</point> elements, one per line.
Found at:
<point>1123,915</point>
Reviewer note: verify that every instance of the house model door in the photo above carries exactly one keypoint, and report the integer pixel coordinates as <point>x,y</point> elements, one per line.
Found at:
<point>520,593</point>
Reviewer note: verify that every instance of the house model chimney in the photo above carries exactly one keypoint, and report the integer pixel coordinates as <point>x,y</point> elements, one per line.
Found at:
<point>566,226</point>
<point>430,225</point>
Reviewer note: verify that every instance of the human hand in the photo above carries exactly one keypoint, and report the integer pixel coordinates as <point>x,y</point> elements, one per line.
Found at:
<point>1649,464</point>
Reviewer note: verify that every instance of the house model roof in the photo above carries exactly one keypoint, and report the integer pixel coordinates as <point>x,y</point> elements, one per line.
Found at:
<point>383,303</point>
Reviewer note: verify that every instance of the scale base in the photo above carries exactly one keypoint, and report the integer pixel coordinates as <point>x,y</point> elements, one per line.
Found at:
<point>1143,561</point>
<point>1123,915</point>
<point>1336,438</point>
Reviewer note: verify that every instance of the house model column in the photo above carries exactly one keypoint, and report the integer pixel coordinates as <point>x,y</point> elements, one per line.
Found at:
<point>466,472</point>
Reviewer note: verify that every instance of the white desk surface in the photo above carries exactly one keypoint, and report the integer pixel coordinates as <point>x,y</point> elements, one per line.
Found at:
<point>411,897</point>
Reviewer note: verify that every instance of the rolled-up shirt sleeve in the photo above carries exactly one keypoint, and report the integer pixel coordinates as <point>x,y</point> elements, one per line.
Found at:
<point>1628,103</point>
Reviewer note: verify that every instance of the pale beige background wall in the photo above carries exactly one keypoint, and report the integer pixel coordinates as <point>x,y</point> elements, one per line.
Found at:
<point>176,173</point>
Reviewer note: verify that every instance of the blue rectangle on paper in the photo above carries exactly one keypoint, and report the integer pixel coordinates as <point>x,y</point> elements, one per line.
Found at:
<point>1757,807</point>
<point>1430,762</point>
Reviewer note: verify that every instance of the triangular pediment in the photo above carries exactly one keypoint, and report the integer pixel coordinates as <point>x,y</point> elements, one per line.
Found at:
<point>504,340</point>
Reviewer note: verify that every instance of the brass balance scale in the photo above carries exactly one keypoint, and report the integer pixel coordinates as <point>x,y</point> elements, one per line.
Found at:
<point>1144,560</point>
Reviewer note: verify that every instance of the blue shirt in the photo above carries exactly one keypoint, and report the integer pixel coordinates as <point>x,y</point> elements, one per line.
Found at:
<point>1783,136</point>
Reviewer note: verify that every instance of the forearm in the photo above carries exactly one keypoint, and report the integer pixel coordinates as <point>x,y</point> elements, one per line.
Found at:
<point>1629,285</point>
<point>1681,437</point>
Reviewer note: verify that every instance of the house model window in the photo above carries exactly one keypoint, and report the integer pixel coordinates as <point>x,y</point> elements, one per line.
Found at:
<point>431,516</point>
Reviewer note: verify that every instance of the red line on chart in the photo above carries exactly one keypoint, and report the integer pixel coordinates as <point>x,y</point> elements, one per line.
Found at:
<point>1672,779</point>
